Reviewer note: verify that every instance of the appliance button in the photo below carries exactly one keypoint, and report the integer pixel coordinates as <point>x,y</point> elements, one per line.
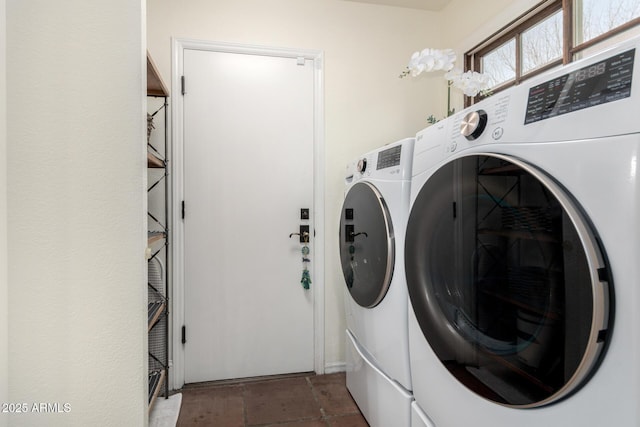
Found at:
<point>362,165</point>
<point>473,124</point>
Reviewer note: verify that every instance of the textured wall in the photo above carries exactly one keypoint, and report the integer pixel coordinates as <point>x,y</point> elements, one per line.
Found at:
<point>4,307</point>
<point>76,202</point>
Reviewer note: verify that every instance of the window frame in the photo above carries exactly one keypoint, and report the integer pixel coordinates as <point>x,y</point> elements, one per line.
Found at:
<point>514,31</point>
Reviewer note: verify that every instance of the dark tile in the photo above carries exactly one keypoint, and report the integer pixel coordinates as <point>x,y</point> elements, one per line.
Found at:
<point>217,406</point>
<point>354,420</point>
<point>312,423</point>
<point>332,394</point>
<point>299,401</point>
<point>279,401</point>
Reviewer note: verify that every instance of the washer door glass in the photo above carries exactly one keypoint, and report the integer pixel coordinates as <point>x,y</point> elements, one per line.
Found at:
<point>506,280</point>
<point>366,244</point>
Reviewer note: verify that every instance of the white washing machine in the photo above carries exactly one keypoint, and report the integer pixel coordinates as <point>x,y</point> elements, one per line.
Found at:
<point>372,229</point>
<point>522,253</point>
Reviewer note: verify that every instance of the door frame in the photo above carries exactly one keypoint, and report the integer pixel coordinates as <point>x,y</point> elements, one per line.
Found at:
<point>179,45</point>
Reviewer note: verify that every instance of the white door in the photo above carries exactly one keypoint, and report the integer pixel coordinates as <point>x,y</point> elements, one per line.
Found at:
<point>248,172</point>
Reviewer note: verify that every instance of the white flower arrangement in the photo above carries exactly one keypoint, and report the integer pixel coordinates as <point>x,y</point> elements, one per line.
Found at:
<point>430,60</point>
<point>470,82</point>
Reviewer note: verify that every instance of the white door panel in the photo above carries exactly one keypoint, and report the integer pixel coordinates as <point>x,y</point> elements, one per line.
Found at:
<point>248,170</point>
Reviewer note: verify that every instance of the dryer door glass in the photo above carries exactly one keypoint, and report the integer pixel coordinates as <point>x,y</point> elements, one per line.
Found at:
<point>506,280</point>
<point>366,244</point>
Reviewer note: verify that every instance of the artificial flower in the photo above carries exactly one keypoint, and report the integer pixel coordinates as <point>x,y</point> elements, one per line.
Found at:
<point>430,60</point>
<point>470,82</point>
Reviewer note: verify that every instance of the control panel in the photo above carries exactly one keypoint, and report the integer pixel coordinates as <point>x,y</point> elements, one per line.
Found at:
<point>389,157</point>
<point>605,81</point>
<point>392,161</point>
<point>591,98</point>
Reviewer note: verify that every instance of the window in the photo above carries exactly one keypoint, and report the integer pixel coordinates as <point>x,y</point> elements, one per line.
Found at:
<point>553,33</point>
<point>542,43</point>
<point>599,23</point>
<point>500,63</point>
<point>594,18</point>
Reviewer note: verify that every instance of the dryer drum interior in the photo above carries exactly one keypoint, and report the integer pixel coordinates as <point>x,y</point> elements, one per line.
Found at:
<point>506,280</point>
<point>367,244</point>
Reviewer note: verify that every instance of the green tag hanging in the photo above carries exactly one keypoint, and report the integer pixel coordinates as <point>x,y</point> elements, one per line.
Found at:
<point>306,279</point>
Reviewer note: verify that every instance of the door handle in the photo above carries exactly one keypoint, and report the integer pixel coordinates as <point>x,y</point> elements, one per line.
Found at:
<point>304,234</point>
<point>350,233</point>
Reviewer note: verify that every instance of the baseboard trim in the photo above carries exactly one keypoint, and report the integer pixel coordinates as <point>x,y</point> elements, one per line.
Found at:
<point>332,368</point>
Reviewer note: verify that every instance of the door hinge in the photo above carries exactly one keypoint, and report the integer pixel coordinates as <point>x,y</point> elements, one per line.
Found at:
<point>184,334</point>
<point>182,208</point>
<point>182,87</point>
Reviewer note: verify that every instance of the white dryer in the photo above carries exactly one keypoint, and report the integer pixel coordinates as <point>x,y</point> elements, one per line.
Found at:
<point>372,229</point>
<point>522,253</point>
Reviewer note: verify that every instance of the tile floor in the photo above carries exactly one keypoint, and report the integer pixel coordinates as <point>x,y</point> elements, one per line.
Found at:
<point>297,401</point>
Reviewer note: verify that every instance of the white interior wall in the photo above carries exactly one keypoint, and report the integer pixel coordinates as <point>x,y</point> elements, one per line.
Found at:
<point>76,201</point>
<point>366,104</point>
<point>468,23</point>
<point>4,307</point>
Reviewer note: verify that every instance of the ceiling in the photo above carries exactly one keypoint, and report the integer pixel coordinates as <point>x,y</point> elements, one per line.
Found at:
<point>413,4</point>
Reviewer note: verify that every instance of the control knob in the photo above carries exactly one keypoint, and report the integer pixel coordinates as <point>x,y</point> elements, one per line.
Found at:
<point>362,165</point>
<point>473,124</point>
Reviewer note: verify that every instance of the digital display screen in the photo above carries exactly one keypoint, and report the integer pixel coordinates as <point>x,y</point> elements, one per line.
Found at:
<point>389,157</point>
<point>605,81</point>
